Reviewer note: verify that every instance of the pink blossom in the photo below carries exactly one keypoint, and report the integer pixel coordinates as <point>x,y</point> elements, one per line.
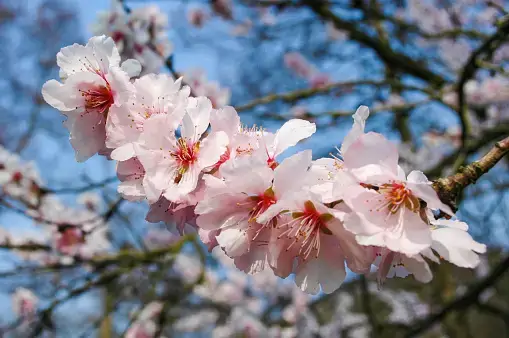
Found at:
<point>155,95</point>
<point>234,204</point>
<point>325,175</point>
<point>173,164</point>
<point>318,80</point>
<point>394,264</point>
<point>450,240</point>
<point>68,238</point>
<point>140,34</point>
<point>24,303</point>
<point>181,213</point>
<point>242,140</point>
<point>197,17</point>
<point>131,174</point>
<point>298,64</point>
<point>314,236</point>
<point>290,133</point>
<point>201,86</point>
<point>386,210</point>
<point>208,237</point>
<point>19,180</point>
<point>93,82</point>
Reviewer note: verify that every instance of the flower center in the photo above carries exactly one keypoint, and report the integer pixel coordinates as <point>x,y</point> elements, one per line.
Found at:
<point>69,238</point>
<point>261,203</point>
<point>17,177</point>
<point>97,99</point>
<point>396,195</point>
<point>26,308</point>
<point>186,155</point>
<point>272,163</point>
<point>304,230</point>
<point>222,159</point>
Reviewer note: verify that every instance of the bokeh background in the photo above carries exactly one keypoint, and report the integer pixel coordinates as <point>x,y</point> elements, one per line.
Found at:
<point>434,74</point>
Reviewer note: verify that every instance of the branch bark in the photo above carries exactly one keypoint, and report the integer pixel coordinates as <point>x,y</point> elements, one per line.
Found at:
<point>309,92</point>
<point>450,187</point>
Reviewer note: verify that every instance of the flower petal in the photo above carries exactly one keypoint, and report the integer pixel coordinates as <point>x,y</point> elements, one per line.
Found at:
<point>291,133</point>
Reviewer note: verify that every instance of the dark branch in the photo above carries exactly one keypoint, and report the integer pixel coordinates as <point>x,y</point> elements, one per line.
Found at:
<point>392,58</point>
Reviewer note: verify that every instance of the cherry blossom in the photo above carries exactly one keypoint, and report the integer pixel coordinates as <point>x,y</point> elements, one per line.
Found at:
<point>93,82</point>
<point>24,303</point>
<point>233,205</point>
<point>145,324</point>
<point>140,34</point>
<point>450,240</point>
<point>386,207</point>
<point>314,235</point>
<point>197,17</point>
<point>229,184</point>
<point>155,95</point>
<point>173,164</point>
<point>298,64</point>
<point>290,133</point>
<point>242,140</point>
<point>201,86</point>
<point>19,180</point>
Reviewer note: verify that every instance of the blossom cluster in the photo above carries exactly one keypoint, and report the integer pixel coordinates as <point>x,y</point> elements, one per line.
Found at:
<point>140,33</point>
<point>248,298</point>
<point>65,233</point>
<point>203,170</point>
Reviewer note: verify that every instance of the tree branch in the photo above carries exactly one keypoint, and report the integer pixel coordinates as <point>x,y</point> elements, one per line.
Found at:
<point>309,92</point>
<point>450,187</point>
<point>392,58</point>
<point>471,147</point>
<point>78,190</point>
<point>487,48</point>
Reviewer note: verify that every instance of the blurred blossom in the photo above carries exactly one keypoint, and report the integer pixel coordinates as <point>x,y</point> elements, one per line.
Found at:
<point>18,179</point>
<point>197,17</point>
<point>140,34</point>
<point>223,8</point>
<point>188,266</point>
<point>318,80</point>
<point>24,303</point>
<point>197,321</point>
<point>201,86</point>
<point>298,64</point>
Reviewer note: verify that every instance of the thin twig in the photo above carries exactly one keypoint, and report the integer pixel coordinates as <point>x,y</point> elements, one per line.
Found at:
<point>450,187</point>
